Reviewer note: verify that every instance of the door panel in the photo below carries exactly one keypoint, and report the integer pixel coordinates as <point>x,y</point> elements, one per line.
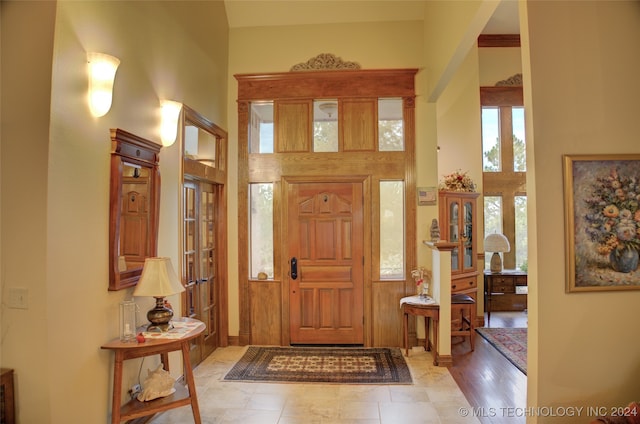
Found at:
<point>199,264</point>
<point>326,237</point>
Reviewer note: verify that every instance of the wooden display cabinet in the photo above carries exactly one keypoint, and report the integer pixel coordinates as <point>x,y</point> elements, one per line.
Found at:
<point>457,214</point>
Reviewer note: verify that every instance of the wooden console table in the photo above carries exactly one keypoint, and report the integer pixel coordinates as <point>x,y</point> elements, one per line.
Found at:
<point>505,291</point>
<point>430,312</point>
<point>158,346</point>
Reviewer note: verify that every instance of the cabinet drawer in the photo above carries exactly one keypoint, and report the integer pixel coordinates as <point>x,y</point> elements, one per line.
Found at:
<point>509,302</point>
<point>503,288</point>
<point>521,280</point>
<point>501,279</point>
<point>463,284</point>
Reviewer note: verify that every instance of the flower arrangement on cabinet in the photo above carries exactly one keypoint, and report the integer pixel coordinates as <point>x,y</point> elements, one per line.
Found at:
<point>458,181</point>
<point>421,278</point>
<point>613,215</point>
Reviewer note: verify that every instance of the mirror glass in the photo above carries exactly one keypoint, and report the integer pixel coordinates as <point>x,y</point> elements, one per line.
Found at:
<point>134,203</point>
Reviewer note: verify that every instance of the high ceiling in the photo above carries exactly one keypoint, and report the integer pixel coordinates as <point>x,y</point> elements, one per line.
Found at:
<point>250,13</point>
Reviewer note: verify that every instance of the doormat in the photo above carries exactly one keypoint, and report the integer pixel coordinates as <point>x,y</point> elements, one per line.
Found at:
<point>511,342</point>
<point>321,365</point>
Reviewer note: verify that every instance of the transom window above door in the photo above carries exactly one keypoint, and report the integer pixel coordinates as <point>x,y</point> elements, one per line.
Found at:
<point>326,125</point>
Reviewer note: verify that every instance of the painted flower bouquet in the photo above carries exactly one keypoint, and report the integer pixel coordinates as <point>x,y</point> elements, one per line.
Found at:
<point>613,218</point>
<point>457,181</point>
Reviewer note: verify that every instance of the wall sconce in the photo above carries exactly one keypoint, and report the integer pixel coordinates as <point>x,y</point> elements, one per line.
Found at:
<point>169,126</point>
<point>102,72</point>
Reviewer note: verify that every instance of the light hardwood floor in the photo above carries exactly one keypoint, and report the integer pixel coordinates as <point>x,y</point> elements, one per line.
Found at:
<point>482,379</point>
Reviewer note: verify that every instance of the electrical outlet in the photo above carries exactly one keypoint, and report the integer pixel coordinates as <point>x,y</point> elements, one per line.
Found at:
<point>135,389</point>
<point>18,298</point>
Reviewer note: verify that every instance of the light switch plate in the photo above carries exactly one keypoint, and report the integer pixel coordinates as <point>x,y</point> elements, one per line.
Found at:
<point>18,298</point>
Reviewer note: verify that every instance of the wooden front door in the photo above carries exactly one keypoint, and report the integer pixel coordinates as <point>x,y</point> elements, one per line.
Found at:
<point>325,251</point>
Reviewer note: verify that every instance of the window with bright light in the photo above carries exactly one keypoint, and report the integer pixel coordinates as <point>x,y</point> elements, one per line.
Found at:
<point>261,127</point>
<point>261,229</point>
<point>325,125</point>
<point>504,166</point>
<point>490,139</point>
<point>390,125</point>
<point>521,232</point>
<point>519,140</point>
<point>391,230</point>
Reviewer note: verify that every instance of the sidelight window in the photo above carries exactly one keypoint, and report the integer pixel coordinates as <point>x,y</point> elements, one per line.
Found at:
<point>392,229</point>
<point>261,229</point>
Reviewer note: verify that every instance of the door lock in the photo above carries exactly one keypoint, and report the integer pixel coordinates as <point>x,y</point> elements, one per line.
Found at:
<point>294,268</point>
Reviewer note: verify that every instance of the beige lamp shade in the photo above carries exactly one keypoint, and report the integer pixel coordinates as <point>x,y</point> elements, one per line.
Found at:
<point>496,243</point>
<point>158,279</point>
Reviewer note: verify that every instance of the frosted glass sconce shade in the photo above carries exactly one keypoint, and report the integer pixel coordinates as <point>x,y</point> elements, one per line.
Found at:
<point>102,73</point>
<point>169,125</point>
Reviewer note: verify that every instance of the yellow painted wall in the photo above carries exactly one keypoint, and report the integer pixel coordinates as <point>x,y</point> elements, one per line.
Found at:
<point>451,30</point>
<point>580,62</point>
<point>460,144</point>
<point>497,64</point>
<point>55,174</point>
<point>25,100</point>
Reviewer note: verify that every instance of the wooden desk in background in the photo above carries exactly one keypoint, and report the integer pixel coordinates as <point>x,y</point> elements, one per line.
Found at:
<point>160,346</point>
<point>505,291</point>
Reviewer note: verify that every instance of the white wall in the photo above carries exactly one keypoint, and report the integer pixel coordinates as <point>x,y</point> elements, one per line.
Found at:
<point>59,168</point>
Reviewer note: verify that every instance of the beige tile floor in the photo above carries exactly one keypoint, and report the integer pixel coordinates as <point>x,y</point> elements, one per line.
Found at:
<point>434,397</point>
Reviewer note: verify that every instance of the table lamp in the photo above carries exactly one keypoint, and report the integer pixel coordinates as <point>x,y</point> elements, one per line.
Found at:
<point>158,280</point>
<point>496,243</point>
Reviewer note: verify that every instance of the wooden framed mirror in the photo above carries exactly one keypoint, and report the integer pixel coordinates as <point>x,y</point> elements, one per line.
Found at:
<point>134,205</point>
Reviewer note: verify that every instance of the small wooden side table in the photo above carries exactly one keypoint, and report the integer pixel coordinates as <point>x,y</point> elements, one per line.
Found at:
<point>430,312</point>
<point>155,346</point>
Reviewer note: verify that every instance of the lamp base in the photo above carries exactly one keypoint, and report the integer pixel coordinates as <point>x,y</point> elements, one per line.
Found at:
<point>496,262</point>
<point>159,317</point>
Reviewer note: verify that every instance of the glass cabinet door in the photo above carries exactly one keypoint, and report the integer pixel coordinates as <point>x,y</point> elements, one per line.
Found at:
<point>467,235</point>
<point>454,208</point>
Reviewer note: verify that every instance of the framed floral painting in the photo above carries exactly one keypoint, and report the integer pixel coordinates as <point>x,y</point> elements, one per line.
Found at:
<point>602,222</point>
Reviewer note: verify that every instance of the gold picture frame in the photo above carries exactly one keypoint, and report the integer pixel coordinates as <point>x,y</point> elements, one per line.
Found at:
<point>602,222</point>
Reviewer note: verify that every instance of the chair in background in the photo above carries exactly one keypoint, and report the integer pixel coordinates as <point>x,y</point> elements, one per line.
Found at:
<point>463,308</point>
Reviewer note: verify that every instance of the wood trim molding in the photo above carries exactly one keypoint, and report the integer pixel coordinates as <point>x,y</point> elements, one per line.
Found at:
<point>325,61</point>
<point>514,80</point>
<point>499,40</point>
<point>501,96</point>
<point>327,84</point>
<point>443,360</point>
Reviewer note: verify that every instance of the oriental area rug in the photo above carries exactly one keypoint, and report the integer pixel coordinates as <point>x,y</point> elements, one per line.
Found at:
<point>510,342</point>
<point>321,365</point>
